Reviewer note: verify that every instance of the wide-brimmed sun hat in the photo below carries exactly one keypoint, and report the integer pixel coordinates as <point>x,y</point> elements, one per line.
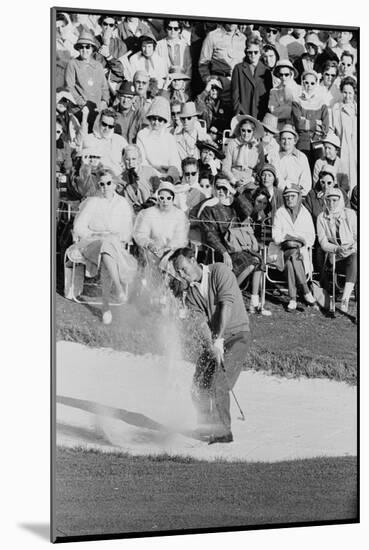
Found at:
<point>166,186</point>
<point>211,147</point>
<point>333,139</point>
<point>290,129</point>
<point>285,63</point>
<point>86,37</point>
<point>159,107</point>
<point>238,120</point>
<point>270,123</point>
<point>188,109</point>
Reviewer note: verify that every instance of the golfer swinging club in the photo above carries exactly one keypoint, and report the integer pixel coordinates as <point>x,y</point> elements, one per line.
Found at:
<point>214,293</point>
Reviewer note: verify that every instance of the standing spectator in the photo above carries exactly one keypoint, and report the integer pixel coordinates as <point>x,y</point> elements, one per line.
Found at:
<point>191,132</point>
<point>328,88</point>
<point>310,116</point>
<point>130,31</point>
<point>85,78</point>
<point>344,44</point>
<point>346,67</point>
<point>282,96</point>
<point>295,43</point>
<point>211,106</point>
<point>345,126</point>
<point>268,180</point>
<point>331,144</point>
<point>270,56</point>
<point>157,145</point>
<point>269,141</point>
<point>64,48</point>
<point>293,230</point>
<point>308,60</point>
<point>174,49</point>
<point>148,60</point>
<point>294,166</point>
<point>109,144</point>
<point>271,37</point>
<point>210,156</point>
<point>251,83</point>
<point>174,88</point>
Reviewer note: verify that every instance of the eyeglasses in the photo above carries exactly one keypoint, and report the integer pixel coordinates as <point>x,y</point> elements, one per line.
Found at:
<point>157,119</point>
<point>106,125</point>
<point>330,74</point>
<point>220,188</point>
<point>175,113</point>
<point>59,131</point>
<point>105,184</point>
<point>85,47</point>
<point>168,198</point>
<point>252,52</point>
<point>108,24</point>
<point>190,173</point>
<point>346,64</point>
<point>246,131</point>
<point>327,182</point>
<point>187,117</point>
<point>141,82</point>
<point>205,185</point>
<point>309,83</point>
<point>173,28</point>
<point>92,157</point>
<point>285,74</point>
<point>272,31</point>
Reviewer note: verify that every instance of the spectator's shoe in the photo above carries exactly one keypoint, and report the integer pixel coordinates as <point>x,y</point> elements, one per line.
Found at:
<point>292,305</point>
<point>265,312</point>
<point>227,438</point>
<point>107,317</point>
<point>344,306</point>
<point>253,309</point>
<point>309,298</point>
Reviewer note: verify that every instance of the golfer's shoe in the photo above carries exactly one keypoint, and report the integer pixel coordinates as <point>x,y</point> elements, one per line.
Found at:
<point>107,317</point>
<point>201,435</point>
<point>292,305</point>
<point>226,438</point>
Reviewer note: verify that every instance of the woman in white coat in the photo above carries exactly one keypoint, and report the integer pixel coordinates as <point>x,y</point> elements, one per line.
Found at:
<point>293,230</point>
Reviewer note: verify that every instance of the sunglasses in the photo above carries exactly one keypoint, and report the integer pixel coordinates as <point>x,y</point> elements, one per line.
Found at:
<point>187,117</point>
<point>252,52</point>
<point>190,173</point>
<point>330,74</point>
<point>285,74</point>
<point>222,189</point>
<point>92,157</point>
<point>105,184</point>
<point>246,131</point>
<point>173,28</point>
<point>168,198</point>
<point>141,82</point>
<point>85,47</point>
<point>205,186</point>
<point>59,131</point>
<point>106,125</point>
<point>272,31</point>
<point>176,113</point>
<point>108,24</point>
<point>309,83</point>
<point>346,64</point>
<point>327,182</point>
<point>157,119</point>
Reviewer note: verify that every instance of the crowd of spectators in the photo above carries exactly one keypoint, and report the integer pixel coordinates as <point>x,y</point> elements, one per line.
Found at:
<point>210,131</point>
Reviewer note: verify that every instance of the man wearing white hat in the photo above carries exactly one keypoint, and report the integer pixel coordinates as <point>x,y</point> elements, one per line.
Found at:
<point>294,165</point>
<point>191,132</point>
<point>332,145</point>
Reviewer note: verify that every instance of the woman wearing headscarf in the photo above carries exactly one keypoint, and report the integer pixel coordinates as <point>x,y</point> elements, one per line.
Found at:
<point>284,93</point>
<point>104,228</point>
<point>244,152</point>
<point>310,115</point>
<point>344,117</point>
<point>293,230</point>
<point>157,145</point>
<point>268,180</point>
<point>337,234</point>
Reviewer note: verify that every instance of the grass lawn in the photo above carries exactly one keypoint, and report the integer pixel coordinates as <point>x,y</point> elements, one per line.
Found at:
<point>100,494</point>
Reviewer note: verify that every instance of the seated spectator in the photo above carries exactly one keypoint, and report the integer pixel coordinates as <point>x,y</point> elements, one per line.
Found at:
<point>104,228</point>
<point>157,145</point>
<point>293,230</point>
<point>331,144</point>
<point>337,234</point>
<point>161,227</point>
<point>244,155</point>
<point>310,116</point>
<point>139,182</point>
<point>188,192</point>
<point>130,31</point>
<point>63,158</point>
<point>64,48</point>
<point>126,123</point>
<point>148,60</point>
<point>269,142</point>
<point>353,200</point>
<point>86,174</point>
<point>111,48</point>
<point>251,82</point>
<point>103,139</point>
<point>268,180</point>
<point>344,117</point>
<point>210,156</point>
<point>212,107</point>
<point>174,88</point>
<point>206,183</point>
<point>282,96</point>
<point>175,112</point>
<point>65,111</point>
<point>191,132</point>
<point>217,215</point>
<point>85,77</point>
<point>294,164</point>
<point>174,49</point>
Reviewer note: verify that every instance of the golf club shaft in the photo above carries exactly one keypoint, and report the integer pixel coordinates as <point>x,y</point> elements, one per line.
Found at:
<point>231,390</point>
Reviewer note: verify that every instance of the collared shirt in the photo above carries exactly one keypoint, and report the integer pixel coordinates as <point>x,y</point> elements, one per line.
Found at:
<point>294,167</point>
<point>220,44</point>
<point>154,66</point>
<point>86,81</point>
<point>203,285</point>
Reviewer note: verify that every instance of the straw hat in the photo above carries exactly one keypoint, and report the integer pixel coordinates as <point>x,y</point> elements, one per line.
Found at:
<point>239,119</point>
<point>86,37</point>
<point>333,139</point>
<point>289,128</point>
<point>159,107</point>
<point>292,188</point>
<point>285,63</point>
<point>188,109</point>
<point>270,123</point>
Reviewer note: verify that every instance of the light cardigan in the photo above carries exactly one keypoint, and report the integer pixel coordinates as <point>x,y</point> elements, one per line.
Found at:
<point>162,229</point>
<point>158,149</point>
<point>110,149</point>
<point>302,227</point>
<point>163,48</point>
<point>326,230</point>
<point>98,214</point>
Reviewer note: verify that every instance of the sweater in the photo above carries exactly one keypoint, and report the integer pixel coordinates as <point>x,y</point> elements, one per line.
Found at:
<point>160,228</point>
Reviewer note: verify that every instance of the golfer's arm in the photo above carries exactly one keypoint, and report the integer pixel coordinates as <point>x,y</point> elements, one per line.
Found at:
<point>223,318</point>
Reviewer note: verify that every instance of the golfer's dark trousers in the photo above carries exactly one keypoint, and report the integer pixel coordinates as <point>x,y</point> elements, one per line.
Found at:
<point>213,385</point>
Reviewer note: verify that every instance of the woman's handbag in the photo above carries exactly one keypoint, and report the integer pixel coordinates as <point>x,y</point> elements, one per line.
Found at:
<point>240,238</point>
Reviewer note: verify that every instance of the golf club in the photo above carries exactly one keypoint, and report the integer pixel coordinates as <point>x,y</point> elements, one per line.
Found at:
<point>242,417</point>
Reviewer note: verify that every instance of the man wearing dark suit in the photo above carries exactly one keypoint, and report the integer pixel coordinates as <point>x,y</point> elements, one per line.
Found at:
<point>251,82</point>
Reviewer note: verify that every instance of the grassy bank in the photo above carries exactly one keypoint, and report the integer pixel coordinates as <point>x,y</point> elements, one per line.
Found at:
<point>101,494</point>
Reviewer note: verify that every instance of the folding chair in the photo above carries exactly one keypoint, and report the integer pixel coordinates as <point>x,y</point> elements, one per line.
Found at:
<point>225,139</point>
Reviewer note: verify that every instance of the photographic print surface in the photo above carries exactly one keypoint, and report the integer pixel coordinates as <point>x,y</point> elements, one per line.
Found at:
<point>205,183</point>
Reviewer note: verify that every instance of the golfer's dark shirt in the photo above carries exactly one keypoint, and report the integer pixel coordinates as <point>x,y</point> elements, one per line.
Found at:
<point>222,288</point>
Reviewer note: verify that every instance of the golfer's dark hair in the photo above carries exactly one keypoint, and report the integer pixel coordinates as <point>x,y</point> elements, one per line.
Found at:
<point>186,252</point>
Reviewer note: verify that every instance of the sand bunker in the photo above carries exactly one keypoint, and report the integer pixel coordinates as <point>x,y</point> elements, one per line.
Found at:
<point>116,401</point>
